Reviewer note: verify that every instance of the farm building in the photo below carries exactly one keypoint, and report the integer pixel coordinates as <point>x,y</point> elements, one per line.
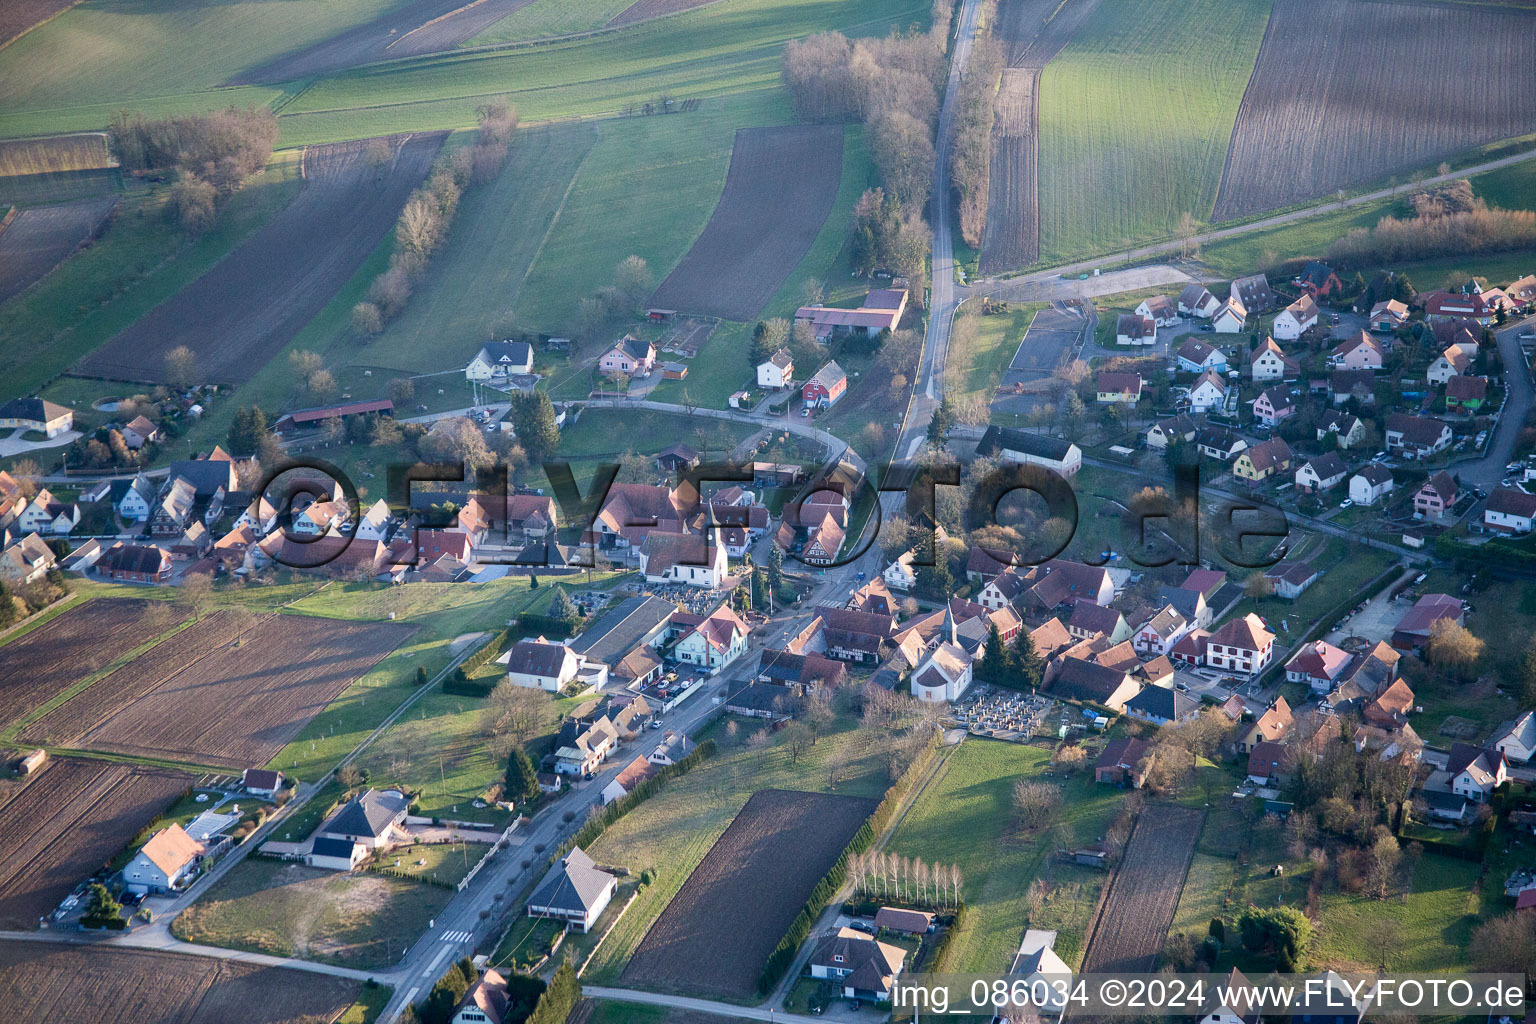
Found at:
<point>826,386</point>
<point>1413,629</point>
<point>163,863</point>
<point>1290,579</point>
<point>627,637</point>
<point>134,563</point>
<point>500,359</point>
<point>574,890</point>
<point>302,418</point>
<point>1028,449</point>
<point>36,414</point>
<point>881,311</point>
<point>676,458</point>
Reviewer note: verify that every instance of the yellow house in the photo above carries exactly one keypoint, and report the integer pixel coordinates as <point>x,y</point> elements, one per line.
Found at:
<point>1263,460</point>
<point>37,414</point>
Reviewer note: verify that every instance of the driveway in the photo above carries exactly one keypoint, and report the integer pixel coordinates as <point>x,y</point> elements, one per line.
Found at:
<point>12,444</point>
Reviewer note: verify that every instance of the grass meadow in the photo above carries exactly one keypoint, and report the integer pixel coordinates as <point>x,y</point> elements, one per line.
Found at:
<point>1135,117</point>
<point>545,19</point>
<point>965,817</point>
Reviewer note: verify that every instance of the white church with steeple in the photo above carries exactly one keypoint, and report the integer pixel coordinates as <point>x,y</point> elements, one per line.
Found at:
<point>945,672</point>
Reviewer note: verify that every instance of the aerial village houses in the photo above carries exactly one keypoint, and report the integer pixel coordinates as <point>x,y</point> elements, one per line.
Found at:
<point>1435,498</point>
<point>1255,293</point>
<point>1388,315</point>
<point>1270,727</point>
<point>1229,316</point>
<point>140,431</point>
<point>1347,430</point>
<point>1195,356</point>
<point>1274,406</point>
<point>863,967</point>
<point>1456,359</point>
<point>1443,305</point>
<point>1510,510</point>
<point>574,890</point>
<point>1359,385</point>
<point>1318,280</point>
<point>1173,430</point>
<point>165,862</point>
<point>1242,646</point>
<point>1268,362</point>
<point>1322,473</point>
<point>1417,437</point>
<point>500,359</point>
<point>1413,629</point>
<point>1263,460</point>
<point>1465,394</point>
<point>1289,579</point>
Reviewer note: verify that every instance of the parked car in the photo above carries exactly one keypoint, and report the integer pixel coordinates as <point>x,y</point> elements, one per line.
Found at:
<point>1347,503</point>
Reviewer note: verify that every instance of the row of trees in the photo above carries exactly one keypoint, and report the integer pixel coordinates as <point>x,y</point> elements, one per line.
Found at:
<point>970,151</point>
<point>1442,228</point>
<point>889,234</point>
<point>880,875</point>
<point>211,155</point>
<point>428,213</point>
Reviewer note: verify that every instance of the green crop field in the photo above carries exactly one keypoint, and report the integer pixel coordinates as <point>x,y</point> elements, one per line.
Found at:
<point>1135,117</point>
<point>161,56</point>
<point>965,817</point>
<point>544,19</point>
<point>141,260</point>
<point>725,48</point>
<point>477,277</point>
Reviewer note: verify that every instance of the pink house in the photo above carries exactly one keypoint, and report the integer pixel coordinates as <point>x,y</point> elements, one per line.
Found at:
<point>1362,352</point>
<point>630,355</point>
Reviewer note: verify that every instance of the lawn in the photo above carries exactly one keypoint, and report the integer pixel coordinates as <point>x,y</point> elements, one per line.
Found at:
<point>363,920</point>
<point>1205,892</point>
<point>1347,568</point>
<point>965,817</point>
<point>444,611</point>
<point>139,261</point>
<point>370,1003</point>
<point>646,188</point>
<point>671,832</point>
<point>475,279</point>
<point>159,56</point>
<point>611,433</point>
<point>726,48</point>
<point>544,19</point>
<point>1135,117</point>
<point>1431,925</point>
<point>980,349</point>
<point>528,939</point>
<point>443,863</point>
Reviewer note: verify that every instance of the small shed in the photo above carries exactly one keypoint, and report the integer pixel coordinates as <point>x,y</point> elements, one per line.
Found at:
<point>32,762</point>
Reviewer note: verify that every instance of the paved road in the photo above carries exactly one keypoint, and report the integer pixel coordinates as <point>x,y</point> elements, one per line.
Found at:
<point>942,303</point>
<point>988,286</point>
<point>1488,470</point>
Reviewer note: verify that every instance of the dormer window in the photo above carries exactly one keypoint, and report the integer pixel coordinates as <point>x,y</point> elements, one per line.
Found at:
<point>837,958</point>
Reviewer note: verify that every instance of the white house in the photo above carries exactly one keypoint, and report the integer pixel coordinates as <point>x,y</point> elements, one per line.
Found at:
<point>1370,484</point>
<point>777,371</point>
<point>1234,1001</point>
<point>36,414</point>
<point>713,642</point>
<point>371,818</point>
<point>1159,633</point>
<point>332,854</point>
<point>165,862</point>
<point>1023,447</point>
<point>1268,361</point>
<point>1454,360</point>
<point>630,776</point>
<point>374,523</point>
<point>1321,473</point>
<point>262,782</point>
<point>135,503</point>
<point>1510,510</point>
<point>1348,430</point>
<point>1475,771</point>
<point>1197,300</point>
<point>1042,973</point>
<point>1229,317</point>
<point>1296,319</point>
<point>1135,329</point>
<point>48,516</point>
<point>1160,309</point>
<point>540,665</point>
<point>682,558</point>
<point>945,673</point>
<point>1241,646</point>
<point>574,890</point>
<point>1209,392</point>
<point>899,575</point>
<point>1516,740</point>
<point>500,359</point>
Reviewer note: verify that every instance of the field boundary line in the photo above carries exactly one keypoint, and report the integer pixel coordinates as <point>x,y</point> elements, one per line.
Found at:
<point>40,619</point>
<point>1242,107</point>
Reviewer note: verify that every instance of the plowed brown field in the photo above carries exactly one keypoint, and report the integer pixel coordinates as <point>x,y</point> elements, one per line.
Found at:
<point>1346,93</point>
<point>67,821</point>
<point>41,238</point>
<point>1134,916</point>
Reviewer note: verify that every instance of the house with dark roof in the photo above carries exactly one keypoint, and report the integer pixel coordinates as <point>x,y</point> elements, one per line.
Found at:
<point>1476,771</point>
<point>629,355</point>
<point>777,371</point>
<point>1269,763</point>
<point>1465,394</point>
<point>371,818</point>
<point>542,665</point>
<point>1162,706</point>
<point>331,853</point>
<point>134,563</point>
<point>1025,448</point>
<point>1274,405</point>
<point>863,967</point>
<point>785,668</point>
<point>1290,578</point>
<point>500,359</point>
<point>1263,460</point>
<point>1220,444</point>
<point>1255,293</point>
<point>1172,430</point>
<point>1242,646</point>
<point>1370,484</point>
<point>1321,473</point>
<point>1134,329</point>
<point>762,700</point>
<point>574,890</point>
<point>1119,388</point>
<point>1435,498</point>
<point>633,625</point>
<point>1417,436</point>
<point>1077,679</point>
<point>1360,385</point>
<point>48,418</point>
<point>1318,280</point>
<point>1510,510</point>
<point>1197,300</point>
<point>1089,621</point>
<point>1123,760</point>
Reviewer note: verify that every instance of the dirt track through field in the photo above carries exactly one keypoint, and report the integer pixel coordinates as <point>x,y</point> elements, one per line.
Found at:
<point>778,192</point>
<point>1346,93</point>
<point>243,311</point>
<point>1133,918</point>
<point>49,982</point>
<point>770,858</point>
<point>1032,33</point>
<point>41,238</point>
<point>237,705</point>
<point>411,30</point>
<point>67,821</point>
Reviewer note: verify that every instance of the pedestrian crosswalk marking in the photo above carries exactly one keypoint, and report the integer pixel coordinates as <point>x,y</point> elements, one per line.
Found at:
<point>456,936</point>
